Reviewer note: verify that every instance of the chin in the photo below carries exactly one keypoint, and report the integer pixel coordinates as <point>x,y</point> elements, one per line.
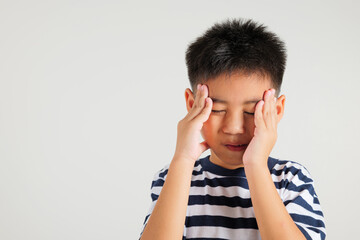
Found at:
<point>230,158</point>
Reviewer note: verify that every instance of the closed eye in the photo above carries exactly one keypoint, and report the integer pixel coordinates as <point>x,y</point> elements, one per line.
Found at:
<point>219,111</point>
<point>249,113</point>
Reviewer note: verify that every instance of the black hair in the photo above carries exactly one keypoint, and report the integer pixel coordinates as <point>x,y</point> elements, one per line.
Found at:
<point>236,45</point>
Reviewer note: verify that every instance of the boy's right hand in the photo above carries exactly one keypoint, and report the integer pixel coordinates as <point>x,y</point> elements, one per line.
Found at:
<point>188,129</point>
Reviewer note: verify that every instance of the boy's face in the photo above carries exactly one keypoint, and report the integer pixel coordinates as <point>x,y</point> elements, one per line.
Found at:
<point>231,119</point>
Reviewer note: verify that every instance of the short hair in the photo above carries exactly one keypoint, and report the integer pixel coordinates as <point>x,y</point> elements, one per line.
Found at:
<point>233,46</point>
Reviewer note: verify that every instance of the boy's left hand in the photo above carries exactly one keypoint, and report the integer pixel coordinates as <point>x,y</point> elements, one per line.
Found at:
<point>265,134</point>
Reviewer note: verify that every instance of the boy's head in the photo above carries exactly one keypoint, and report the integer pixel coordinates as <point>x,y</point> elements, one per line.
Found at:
<point>236,45</point>
<point>237,61</point>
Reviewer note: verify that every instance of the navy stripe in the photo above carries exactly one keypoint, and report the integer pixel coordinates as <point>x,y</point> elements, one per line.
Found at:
<point>215,200</point>
<point>307,220</point>
<point>196,173</point>
<point>225,178</point>
<point>291,186</point>
<point>163,174</point>
<point>294,171</point>
<point>146,218</point>
<point>316,200</point>
<point>220,221</point>
<point>240,182</point>
<point>301,202</point>
<point>158,183</point>
<point>197,163</point>
<point>220,201</point>
<point>154,197</point>
<point>221,182</point>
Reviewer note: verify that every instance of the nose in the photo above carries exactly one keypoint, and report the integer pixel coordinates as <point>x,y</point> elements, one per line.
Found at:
<point>234,124</point>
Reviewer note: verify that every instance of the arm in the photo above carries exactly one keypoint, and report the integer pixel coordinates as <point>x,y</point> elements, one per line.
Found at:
<point>168,217</point>
<point>273,220</point>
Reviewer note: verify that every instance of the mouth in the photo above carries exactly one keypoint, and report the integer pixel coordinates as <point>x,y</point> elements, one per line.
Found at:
<point>239,147</point>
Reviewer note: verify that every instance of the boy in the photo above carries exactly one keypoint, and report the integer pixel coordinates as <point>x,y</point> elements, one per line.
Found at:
<point>238,191</point>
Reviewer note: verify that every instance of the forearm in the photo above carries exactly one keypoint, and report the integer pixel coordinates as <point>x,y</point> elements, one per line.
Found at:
<point>168,217</point>
<point>273,220</point>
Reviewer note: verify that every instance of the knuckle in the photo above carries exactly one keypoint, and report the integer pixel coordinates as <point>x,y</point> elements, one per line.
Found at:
<point>198,105</point>
<point>180,123</point>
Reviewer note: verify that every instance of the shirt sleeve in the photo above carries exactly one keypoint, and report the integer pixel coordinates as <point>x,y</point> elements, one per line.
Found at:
<point>156,186</point>
<point>298,194</point>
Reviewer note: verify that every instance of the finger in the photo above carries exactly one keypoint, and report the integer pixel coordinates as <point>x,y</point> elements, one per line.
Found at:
<point>273,110</point>
<point>203,147</point>
<point>199,102</point>
<point>267,109</point>
<point>258,118</point>
<point>203,116</point>
<point>192,112</point>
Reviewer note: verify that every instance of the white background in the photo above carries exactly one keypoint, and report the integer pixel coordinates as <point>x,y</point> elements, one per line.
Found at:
<point>91,93</point>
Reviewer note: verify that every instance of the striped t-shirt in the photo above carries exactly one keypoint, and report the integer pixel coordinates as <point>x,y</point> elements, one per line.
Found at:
<point>220,207</point>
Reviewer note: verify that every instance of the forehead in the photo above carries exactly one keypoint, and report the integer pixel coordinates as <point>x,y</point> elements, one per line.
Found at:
<point>238,88</point>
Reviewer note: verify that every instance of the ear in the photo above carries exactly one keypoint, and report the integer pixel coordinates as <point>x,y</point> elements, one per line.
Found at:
<point>280,104</point>
<point>189,98</point>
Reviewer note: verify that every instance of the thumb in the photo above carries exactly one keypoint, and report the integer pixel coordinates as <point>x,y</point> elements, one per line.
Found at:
<point>203,147</point>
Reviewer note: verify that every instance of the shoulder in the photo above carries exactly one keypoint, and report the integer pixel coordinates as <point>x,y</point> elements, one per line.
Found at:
<point>160,175</point>
<point>296,189</point>
<point>290,170</point>
<point>159,180</point>
<point>292,180</point>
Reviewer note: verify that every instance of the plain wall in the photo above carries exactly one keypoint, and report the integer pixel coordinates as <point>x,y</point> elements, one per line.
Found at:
<point>91,93</point>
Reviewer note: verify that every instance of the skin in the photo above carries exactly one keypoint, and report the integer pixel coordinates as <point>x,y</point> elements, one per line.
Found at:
<point>259,131</point>
<point>235,123</point>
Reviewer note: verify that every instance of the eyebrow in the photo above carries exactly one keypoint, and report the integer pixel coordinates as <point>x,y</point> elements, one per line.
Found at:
<point>252,101</point>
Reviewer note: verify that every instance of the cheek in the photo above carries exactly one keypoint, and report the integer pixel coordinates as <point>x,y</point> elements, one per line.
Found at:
<point>250,126</point>
<point>209,128</point>
<point>210,124</point>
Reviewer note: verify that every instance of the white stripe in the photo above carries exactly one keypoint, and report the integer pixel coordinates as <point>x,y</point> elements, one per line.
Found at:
<point>290,177</point>
<point>207,175</point>
<point>298,166</point>
<point>236,212</point>
<point>221,232</point>
<point>295,208</point>
<point>213,191</point>
<point>197,168</point>
<point>291,195</point>
<point>215,210</point>
<point>234,191</point>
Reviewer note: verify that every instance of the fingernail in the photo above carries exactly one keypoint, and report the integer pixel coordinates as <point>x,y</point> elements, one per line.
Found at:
<point>269,92</point>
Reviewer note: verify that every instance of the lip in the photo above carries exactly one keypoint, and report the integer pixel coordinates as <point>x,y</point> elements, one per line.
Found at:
<point>236,148</point>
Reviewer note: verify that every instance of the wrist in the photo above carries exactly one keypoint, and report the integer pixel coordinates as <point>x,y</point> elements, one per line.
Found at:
<point>183,161</point>
<point>183,158</point>
<point>256,165</point>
